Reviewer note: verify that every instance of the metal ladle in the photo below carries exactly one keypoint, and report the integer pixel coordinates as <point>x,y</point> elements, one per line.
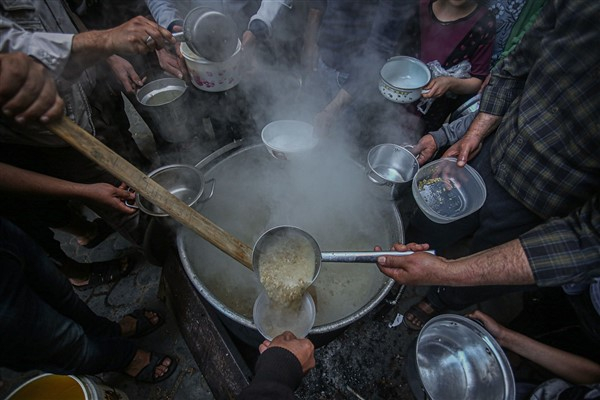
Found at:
<point>284,235</point>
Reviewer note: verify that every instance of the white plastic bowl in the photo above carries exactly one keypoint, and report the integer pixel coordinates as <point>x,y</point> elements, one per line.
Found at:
<point>288,138</point>
<point>446,192</point>
<point>212,76</point>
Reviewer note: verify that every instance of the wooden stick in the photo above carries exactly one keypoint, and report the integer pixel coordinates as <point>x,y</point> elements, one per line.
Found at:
<point>95,150</point>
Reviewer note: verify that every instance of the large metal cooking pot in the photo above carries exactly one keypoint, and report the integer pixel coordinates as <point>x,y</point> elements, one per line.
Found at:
<point>326,196</point>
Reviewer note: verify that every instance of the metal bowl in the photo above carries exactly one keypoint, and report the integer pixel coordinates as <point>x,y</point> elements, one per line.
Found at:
<point>402,79</point>
<point>459,359</point>
<point>183,181</point>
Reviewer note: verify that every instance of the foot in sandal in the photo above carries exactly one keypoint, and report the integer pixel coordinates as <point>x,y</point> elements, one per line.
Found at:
<point>151,367</point>
<point>418,314</point>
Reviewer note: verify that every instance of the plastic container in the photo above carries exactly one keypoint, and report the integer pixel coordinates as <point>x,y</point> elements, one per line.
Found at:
<point>212,76</point>
<point>65,387</point>
<point>272,320</point>
<point>286,139</point>
<point>446,192</point>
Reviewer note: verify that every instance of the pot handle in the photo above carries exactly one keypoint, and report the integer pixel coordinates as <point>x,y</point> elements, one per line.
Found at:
<point>130,205</point>
<point>425,91</point>
<point>375,178</point>
<point>179,36</point>
<point>212,190</point>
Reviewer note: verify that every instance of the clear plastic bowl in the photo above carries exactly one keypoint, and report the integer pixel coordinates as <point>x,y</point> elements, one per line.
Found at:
<point>271,320</point>
<point>446,192</point>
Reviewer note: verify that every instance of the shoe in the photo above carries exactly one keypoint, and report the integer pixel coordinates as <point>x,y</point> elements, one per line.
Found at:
<point>421,313</point>
<point>103,231</point>
<point>104,272</point>
<point>146,374</point>
<point>143,324</point>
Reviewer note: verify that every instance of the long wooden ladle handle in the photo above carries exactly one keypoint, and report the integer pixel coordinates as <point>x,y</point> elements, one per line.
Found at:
<point>95,150</point>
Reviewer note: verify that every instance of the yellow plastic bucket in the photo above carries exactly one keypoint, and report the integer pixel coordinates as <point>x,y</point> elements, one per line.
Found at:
<point>65,387</point>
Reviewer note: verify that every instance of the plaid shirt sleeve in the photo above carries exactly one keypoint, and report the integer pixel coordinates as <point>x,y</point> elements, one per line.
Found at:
<point>499,94</point>
<point>567,249</point>
<point>509,75</point>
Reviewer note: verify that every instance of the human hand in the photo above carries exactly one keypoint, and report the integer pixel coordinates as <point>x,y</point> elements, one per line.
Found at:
<point>125,73</point>
<point>172,64</point>
<point>493,327</point>
<point>133,37</point>
<point>248,51</point>
<point>303,349</point>
<point>323,121</point>
<point>424,149</point>
<point>27,91</point>
<point>464,150</point>
<point>309,57</point>
<point>109,196</point>
<point>437,87</point>
<point>485,83</point>
<point>248,40</point>
<point>420,268</point>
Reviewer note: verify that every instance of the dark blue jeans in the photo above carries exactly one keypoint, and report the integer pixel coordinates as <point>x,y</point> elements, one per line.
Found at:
<point>501,218</point>
<point>44,325</point>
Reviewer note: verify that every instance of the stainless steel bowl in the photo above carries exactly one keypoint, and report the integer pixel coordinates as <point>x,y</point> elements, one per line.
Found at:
<point>183,181</point>
<point>459,359</point>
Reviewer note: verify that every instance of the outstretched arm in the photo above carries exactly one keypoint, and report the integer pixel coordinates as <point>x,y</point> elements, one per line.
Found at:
<point>502,265</point>
<point>20,182</point>
<point>568,366</point>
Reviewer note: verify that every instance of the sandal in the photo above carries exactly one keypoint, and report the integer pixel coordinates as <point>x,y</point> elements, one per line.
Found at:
<point>421,313</point>
<point>104,272</point>
<point>103,230</point>
<point>146,374</point>
<point>143,324</point>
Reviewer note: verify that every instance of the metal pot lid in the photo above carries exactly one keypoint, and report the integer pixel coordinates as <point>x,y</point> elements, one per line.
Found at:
<point>210,34</point>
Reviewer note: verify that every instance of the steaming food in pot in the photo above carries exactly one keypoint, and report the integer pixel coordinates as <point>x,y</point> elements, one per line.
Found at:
<point>326,195</point>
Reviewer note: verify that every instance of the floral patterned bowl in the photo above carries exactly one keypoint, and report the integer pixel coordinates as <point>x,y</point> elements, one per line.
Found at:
<point>213,76</point>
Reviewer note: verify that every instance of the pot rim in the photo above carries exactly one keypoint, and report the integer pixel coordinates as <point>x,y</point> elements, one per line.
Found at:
<point>188,54</point>
<point>171,84</point>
